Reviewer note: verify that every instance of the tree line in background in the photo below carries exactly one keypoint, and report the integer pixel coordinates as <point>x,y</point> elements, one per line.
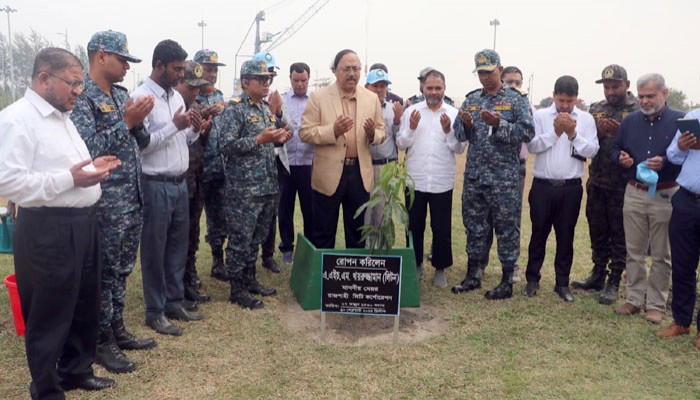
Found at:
<point>25,47</point>
<point>676,99</point>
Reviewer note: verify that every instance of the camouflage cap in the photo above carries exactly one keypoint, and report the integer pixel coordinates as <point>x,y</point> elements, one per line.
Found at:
<point>252,67</point>
<point>486,60</point>
<point>193,74</point>
<point>377,75</point>
<point>206,56</point>
<point>424,72</point>
<point>613,72</point>
<point>112,42</point>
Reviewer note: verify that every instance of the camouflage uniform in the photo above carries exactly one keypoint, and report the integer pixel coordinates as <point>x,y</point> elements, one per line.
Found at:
<point>606,192</point>
<point>213,181</point>
<point>195,175</point>
<point>100,121</point>
<point>493,171</point>
<point>251,184</point>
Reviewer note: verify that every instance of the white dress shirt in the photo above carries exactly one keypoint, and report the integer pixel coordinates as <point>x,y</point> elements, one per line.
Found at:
<point>39,145</point>
<point>430,152</point>
<point>554,160</point>
<point>167,152</point>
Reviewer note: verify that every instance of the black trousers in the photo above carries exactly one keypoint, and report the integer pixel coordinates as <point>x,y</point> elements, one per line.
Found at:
<point>684,235</point>
<point>440,223</point>
<point>298,181</point>
<point>326,209</point>
<point>558,207</point>
<point>57,264</point>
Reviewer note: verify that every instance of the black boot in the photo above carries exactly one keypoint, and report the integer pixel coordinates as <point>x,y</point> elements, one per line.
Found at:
<point>253,286</point>
<point>193,295</point>
<point>470,282</point>
<point>218,268</point>
<point>110,356</point>
<point>241,296</point>
<point>612,288</point>
<point>191,277</point>
<point>595,281</point>
<point>504,290</point>
<point>126,341</point>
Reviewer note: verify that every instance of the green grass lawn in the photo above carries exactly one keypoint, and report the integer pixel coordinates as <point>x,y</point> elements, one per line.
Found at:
<point>538,348</point>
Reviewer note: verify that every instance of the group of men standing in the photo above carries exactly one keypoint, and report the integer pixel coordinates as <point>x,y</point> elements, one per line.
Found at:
<point>124,170</point>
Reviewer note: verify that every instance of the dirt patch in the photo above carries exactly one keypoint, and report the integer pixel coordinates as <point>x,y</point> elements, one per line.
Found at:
<point>415,325</point>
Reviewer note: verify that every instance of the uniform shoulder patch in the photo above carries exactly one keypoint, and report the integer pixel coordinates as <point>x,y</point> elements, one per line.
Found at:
<point>519,91</point>
<point>236,99</point>
<point>472,92</point>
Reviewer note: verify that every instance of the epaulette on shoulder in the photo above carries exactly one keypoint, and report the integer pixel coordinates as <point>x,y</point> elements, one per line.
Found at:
<point>473,91</point>
<point>519,91</point>
<point>235,99</point>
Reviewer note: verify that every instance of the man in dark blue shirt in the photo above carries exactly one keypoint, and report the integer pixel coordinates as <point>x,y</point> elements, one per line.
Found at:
<point>643,137</point>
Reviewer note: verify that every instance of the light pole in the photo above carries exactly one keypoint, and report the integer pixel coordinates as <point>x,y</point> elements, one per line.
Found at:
<point>495,24</point>
<point>9,10</point>
<point>202,24</point>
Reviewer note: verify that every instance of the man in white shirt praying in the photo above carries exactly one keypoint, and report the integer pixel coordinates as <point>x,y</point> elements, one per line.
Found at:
<point>45,169</point>
<point>427,136</point>
<point>165,200</point>
<point>564,137</point>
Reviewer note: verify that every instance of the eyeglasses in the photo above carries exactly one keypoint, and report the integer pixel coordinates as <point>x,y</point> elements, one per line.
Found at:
<point>80,85</point>
<point>515,82</point>
<point>263,79</point>
<point>345,70</point>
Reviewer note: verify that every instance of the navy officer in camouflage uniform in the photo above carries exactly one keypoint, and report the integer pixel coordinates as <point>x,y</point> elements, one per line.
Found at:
<point>247,136</point>
<point>189,88</point>
<point>112,124</point>
<point>495,120</point>
<point>606,188</point>
<point>417,98</point>
<point>213,181</point>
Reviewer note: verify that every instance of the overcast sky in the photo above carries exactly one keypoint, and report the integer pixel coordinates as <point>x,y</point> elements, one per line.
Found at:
<point>546,39</point>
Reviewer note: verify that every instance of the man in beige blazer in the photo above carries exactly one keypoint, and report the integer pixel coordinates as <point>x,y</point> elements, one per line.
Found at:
<point>341,120</point>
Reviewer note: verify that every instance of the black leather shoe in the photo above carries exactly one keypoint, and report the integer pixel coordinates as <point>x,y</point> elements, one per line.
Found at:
<point>181,314</point>
<point>469,283</point>
<point>163,326</point>
<point>531,289</point>
<point>190,306</point>
<point>564,293</point>
<point>192,294</point>
<point>89,383</point>
<point>270,264</point>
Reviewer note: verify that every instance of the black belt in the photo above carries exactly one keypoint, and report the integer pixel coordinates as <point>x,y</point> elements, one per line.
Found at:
<point>165,178</point>
<point>558,182</point>
<point>60,211</point>
<point>692,195</point>
<point>382,161</point>
<point>351,161</point>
